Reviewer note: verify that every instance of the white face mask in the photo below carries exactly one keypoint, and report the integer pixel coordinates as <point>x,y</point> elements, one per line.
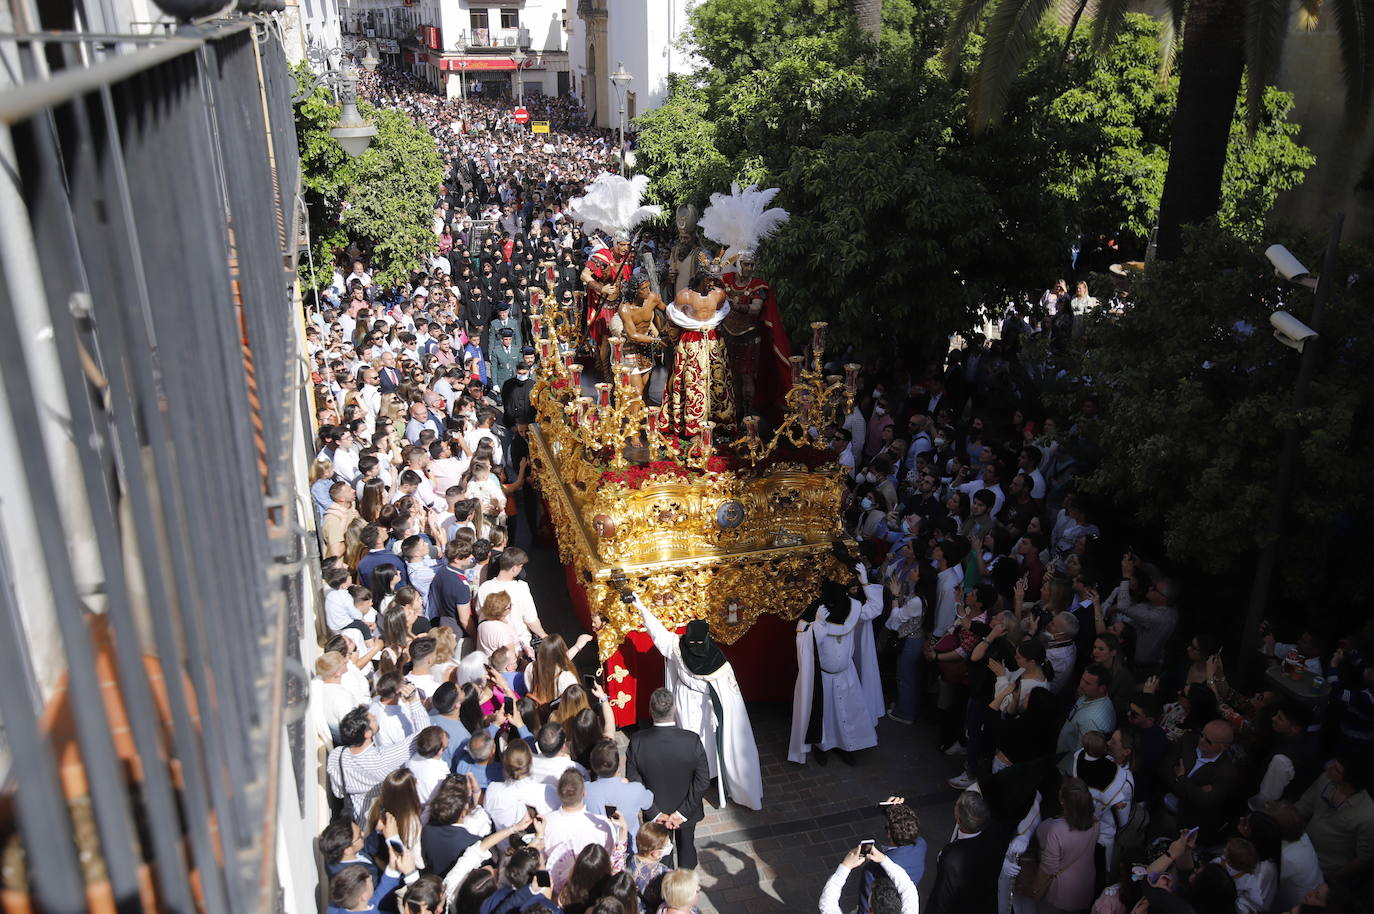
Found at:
<point>867,504</point>
<point>939,443</point>
<point>880,410</point>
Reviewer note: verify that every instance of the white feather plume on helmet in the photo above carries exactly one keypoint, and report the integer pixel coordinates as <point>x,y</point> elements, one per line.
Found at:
<point>612,204</point>
<point>742,219</point>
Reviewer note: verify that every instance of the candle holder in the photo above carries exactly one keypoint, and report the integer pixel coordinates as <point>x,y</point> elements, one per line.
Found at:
<point>623,371</point>
<point>796,362</point>
<point>545,351</point>
<point>707,437</point>
<point>575,376</point>
<point>851,378</point>
<point>536,323</point>
<point>817,342</point>
<point>603,395</point>
<point>751,428</point>
<point>617,350</point>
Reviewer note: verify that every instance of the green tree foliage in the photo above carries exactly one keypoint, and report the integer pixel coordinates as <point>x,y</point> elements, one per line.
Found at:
<point>899,210</point>
<point>383,200</point>
<point>1190,437</point>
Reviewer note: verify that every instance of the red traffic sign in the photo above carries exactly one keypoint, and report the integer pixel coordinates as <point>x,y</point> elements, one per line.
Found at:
<point>522,115</point>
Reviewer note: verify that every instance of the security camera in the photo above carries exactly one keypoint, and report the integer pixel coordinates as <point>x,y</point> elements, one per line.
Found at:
<point>1290,331</point>
<point>1285,264</point>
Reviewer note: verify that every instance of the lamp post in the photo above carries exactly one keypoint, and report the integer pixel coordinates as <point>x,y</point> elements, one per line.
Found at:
<point>352,132</point>
<point>519,58</point>
<point>621,78</point>
<point>1306,341</point>
<point>461,46</point>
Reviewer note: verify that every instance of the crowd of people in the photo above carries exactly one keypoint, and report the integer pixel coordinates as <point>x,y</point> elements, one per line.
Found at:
<point>1113,761</point>
<point>1110,763</point>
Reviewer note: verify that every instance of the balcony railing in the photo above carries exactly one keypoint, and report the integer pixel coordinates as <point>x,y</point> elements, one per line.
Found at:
<point>508,39</point>
<point>151,231</point>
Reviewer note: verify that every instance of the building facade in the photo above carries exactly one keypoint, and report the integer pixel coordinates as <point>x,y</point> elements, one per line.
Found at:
<point>486,48</point>
<point>647,38</point>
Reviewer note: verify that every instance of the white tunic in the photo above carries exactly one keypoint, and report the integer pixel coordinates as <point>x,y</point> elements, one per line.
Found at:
<point>866,650</point>
<point>692,702</point>
<point>847,722</point>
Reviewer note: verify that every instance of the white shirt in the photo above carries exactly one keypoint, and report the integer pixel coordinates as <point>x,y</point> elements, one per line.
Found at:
<point>393,724</point>
<point>429,774</point>
<point>505,801</point>
<point>331,700</point>
<point>473,436</point>
<point>946,608</point>
<point>549,770</point>
<point>522,610</point>
<point>1301,873</point>
<point>339,610</point>
<point>425,682</point>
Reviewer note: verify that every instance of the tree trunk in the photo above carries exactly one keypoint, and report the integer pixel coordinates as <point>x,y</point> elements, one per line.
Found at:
<point>1210,69</point>
<point>870,16</point>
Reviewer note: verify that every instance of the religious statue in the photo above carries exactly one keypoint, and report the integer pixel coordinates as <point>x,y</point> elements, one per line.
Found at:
<point>755,338</point>
<point>684,256</point>
<point>699,388</point>
<point>644,343</point>
<point>611,205</point>
<point>606,271</point>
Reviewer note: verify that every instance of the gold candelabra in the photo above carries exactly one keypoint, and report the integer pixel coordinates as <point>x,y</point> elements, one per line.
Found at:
<point>617,415</point>
<point>814,401</point>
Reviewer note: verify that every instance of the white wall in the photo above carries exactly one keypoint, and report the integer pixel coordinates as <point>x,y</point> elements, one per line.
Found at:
<point>645,37</point>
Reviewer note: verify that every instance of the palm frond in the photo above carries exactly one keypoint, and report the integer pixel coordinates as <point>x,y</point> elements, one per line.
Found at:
<point>1355,33</point>
<point>1170,16</point>
<point>965,21</point>
<point>1309,13</point>
<point>1011,32</point>
<point>1266,27</point>
<point>1111,15</point>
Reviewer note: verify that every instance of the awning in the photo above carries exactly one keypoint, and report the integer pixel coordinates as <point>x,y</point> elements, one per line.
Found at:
<point>473,64</point>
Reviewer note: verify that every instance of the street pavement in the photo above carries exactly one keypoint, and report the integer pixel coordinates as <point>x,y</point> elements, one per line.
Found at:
<point>779,858</point>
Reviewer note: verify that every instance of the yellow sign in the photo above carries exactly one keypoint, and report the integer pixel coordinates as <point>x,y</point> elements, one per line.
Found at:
<point>539,127</point>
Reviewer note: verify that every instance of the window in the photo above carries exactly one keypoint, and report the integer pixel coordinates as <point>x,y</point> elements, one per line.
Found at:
<point>510,19</point>
<point>479,19</point>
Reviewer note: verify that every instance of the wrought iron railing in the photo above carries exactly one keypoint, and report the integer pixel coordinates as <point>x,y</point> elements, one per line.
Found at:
<point>153,386</point>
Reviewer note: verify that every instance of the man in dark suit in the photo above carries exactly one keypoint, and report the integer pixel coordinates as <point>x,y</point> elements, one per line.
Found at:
<point>671,762</point>
<point>388,378</point>
<point>967,869</point>
<point>1199,776</point>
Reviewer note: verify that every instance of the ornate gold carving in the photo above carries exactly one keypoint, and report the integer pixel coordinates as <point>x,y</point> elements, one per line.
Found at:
<point>659,523</point>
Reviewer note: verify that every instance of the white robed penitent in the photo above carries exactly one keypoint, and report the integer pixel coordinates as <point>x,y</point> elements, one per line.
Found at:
<point>742,778</point>
<point>847,721</point>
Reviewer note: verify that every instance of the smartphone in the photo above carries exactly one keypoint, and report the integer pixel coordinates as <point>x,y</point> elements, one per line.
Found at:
<point>510,705</point>
<point>395,844</point>
<point>542,879</point>
<point>865,846</point>
<point>589,680</point>
<point>610,811</point>
<point>1192,832</point>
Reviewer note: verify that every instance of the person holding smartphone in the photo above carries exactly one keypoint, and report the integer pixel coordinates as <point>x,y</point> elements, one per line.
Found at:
<point>900,884</point>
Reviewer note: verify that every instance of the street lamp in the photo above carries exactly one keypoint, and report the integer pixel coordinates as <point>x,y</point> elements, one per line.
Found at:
<point>519,58</point>
<point>621,78</point>
<point>1305,338</point>
<point>352,132</point>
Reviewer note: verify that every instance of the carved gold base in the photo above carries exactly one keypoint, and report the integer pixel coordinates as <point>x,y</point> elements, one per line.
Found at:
<point>724,546</point>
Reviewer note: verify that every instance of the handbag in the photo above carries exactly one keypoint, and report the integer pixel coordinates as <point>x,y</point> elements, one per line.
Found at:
<point>954,672</point>
<point>1033,882</point>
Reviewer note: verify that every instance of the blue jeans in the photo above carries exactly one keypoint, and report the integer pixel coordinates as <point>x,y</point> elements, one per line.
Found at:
<point>908,703</point>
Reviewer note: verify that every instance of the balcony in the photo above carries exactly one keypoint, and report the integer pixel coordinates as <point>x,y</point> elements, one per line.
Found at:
<point>494,39</point>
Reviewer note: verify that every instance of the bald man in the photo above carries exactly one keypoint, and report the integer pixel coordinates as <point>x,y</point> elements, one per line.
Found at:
<point>1199,776</point>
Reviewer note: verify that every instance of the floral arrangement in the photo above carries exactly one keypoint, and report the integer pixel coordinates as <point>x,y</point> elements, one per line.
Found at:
<point>636,476</point>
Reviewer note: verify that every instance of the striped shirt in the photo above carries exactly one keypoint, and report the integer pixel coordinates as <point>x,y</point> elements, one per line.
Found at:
<point>358,776</point>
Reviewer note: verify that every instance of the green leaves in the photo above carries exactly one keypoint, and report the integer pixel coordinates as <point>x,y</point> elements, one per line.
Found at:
<point>1191,433</point>
<point>383,199</point>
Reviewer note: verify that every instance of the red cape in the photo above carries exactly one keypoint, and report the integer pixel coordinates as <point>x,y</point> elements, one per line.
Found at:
<point>775,372</point>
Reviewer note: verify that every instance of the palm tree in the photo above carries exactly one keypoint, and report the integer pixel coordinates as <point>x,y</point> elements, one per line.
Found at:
<point>1223,42</point>
<point>870,16</point>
